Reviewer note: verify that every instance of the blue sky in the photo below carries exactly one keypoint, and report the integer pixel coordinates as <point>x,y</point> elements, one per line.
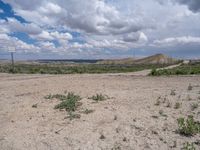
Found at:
<point>99,28</point>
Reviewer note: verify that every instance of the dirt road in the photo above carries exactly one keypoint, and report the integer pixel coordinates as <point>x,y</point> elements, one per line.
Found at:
<point>129,120</point>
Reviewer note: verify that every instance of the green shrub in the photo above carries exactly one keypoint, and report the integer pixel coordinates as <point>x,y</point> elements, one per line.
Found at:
<point>153,72</point>
<point>69,102</point>
<point>42,71</point>
<point>188,127</point>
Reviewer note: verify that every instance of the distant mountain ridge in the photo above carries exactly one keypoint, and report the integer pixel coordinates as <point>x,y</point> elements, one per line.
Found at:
<point>155,59</point>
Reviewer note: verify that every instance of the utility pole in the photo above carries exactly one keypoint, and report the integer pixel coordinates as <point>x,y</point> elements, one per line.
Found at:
<point>12,59</point>
<point>11,49</point>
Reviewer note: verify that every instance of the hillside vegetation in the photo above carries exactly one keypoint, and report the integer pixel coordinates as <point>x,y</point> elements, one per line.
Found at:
<point>75,69</point>
<point>184,69</point>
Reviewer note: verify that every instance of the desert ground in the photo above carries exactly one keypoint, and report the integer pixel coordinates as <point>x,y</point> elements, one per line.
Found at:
<point>140,113</point>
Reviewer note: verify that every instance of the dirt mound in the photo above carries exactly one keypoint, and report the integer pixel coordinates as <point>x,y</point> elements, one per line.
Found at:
<point>156,59</point>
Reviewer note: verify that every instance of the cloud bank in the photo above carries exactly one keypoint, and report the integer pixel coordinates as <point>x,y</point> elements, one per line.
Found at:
<point>91,28</point>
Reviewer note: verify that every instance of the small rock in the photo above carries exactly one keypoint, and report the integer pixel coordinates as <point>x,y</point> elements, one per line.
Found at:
<point>102,137</point>
<point>154,132</point>
<point>34,106</point>
<point>117,130</point>
<point>124,139</point>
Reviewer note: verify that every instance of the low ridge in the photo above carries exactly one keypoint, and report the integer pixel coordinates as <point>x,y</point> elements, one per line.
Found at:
<point>154,59</point>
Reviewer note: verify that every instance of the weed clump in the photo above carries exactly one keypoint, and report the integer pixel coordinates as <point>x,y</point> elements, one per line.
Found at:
<point>188,127</point>
<point>69,102</point>
<point>154,72</point>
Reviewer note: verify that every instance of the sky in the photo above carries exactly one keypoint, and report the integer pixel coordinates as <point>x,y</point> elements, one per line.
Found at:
<point>99,29</point>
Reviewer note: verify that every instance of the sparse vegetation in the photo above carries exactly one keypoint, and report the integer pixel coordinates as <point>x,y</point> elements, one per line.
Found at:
<point>99,97</point>
<point>74,69</point>
<point>189,146</point>
<point>188,127</point>
<point>185,69</point>
<point>69,102</point>
<point>153,72</point>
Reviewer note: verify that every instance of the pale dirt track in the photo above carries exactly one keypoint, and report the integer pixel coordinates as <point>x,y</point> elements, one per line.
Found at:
<point>129,120</point>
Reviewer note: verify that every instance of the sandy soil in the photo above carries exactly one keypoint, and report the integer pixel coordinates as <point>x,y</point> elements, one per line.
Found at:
<point>129,120</point>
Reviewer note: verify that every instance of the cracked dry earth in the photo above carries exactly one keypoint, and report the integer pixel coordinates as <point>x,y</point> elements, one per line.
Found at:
<point>129,120</point>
